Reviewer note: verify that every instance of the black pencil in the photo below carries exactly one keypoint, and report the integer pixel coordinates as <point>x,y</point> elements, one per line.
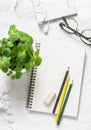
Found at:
<point>60,91</point>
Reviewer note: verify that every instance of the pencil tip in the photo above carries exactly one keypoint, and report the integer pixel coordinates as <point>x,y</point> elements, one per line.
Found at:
<point>68,67</point>
<point>72,81</point>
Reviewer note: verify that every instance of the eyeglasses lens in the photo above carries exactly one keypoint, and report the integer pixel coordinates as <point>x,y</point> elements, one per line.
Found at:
<point>87,34</point>
<point>71,23</point>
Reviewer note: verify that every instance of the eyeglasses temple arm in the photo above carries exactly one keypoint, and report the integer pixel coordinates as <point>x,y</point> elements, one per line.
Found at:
<point>76,32</point>
<point>64,19</point>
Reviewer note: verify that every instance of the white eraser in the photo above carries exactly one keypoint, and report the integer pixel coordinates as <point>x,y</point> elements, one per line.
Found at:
<point>49,97</point>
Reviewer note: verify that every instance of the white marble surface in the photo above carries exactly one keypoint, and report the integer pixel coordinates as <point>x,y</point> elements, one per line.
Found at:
<point>13,93</point>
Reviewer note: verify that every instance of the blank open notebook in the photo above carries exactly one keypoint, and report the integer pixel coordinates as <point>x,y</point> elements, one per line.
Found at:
<point>49,76</point>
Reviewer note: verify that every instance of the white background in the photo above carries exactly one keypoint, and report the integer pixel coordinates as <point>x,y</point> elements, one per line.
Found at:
<point>26,21</point>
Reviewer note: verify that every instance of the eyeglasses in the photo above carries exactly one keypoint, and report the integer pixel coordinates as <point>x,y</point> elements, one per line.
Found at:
<point>71,27</point>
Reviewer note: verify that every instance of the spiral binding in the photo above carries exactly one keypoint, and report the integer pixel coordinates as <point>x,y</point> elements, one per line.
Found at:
<point>32,83</point>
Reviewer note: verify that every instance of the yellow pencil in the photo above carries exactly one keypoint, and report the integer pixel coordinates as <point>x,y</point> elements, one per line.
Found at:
<point>62,99</point>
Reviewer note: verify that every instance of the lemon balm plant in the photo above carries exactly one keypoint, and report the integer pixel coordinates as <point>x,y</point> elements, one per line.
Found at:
<point>17,53</point>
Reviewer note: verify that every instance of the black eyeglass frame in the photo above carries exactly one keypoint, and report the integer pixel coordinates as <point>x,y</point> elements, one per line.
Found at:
<point>65,24</point>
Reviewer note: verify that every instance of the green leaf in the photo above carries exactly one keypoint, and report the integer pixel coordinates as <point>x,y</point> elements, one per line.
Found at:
<point>25,36</point>
<point>13,77</point>
<point>10,44</point>
<point>32,61</point>
<point>14,52</point>
<point>30,40</point>
<point>4,41</point>
<point>4,61</point>
<point>28,67</point>
<point>27,46</point>
<point>5,69</point>
<point>37,53</point>
<point>1,50</point>
<point>38,61</point>
<point>21,55</point>
<point>6,52</point>
<point>4,64</point>
<point>13,37</point>
<point>30,51</point>
<point>18,74</point>
<point>12,29</point>
<point>19,64</point>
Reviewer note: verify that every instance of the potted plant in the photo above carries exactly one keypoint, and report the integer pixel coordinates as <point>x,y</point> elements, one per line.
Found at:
<point>17,53</point>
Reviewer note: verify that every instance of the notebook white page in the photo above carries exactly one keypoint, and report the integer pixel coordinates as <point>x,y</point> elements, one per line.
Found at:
<point>46,10</point>
<point>56,59</point>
